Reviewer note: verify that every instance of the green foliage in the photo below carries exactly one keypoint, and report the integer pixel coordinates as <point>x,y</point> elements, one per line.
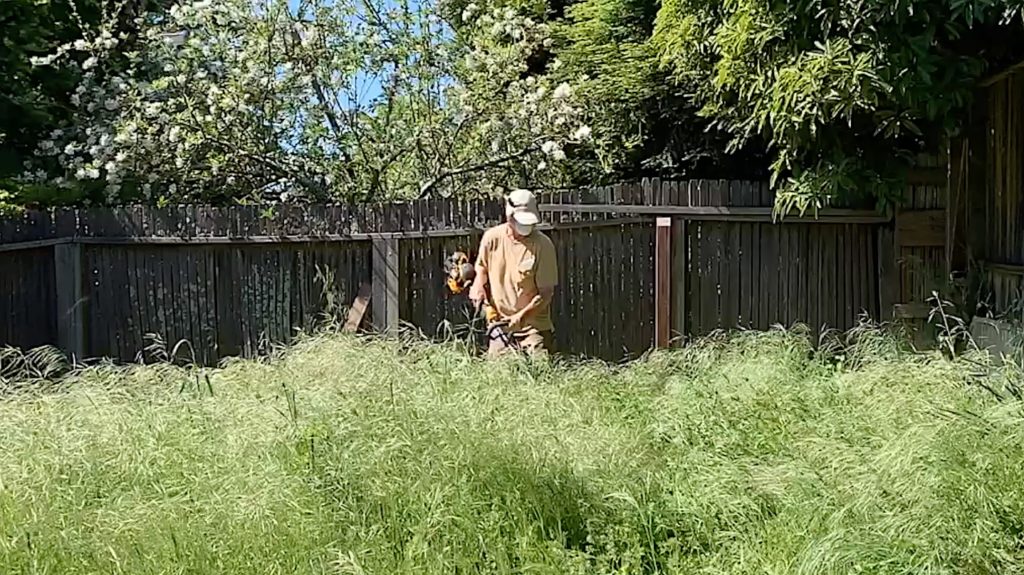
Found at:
<point>643,122</point>
<point>844,92</point>
<point>322,99</point>
<point>833,100</point>
<point>747,455</point>
<point>32,101</point>
<point>36,100</point>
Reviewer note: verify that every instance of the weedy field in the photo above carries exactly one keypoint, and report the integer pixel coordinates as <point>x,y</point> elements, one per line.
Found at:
<point>751,454</point>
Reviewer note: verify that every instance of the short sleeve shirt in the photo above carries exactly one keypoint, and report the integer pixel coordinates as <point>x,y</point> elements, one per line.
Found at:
<point>516,271</point>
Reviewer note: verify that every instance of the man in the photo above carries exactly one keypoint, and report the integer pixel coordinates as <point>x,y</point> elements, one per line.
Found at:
<point>519,265</point>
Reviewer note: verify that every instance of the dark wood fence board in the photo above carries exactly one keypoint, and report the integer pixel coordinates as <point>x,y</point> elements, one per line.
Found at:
<point>586,299</point>
<point>842,294</point>
<point>767,278</point>
<point>709,271</point>
<point>785,273</point>
<point>795,274</point>
<point>746,284</point>
<point>604,342</point>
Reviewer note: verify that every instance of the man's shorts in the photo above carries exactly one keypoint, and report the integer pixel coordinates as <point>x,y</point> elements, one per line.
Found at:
<point>531,341</point>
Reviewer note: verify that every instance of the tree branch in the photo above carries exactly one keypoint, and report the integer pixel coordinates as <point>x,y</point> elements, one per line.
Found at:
<point>321,96</point>
<point>429,186</point>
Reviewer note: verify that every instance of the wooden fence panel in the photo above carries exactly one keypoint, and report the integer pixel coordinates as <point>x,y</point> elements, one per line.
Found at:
<point>222,300</point>
<point>604,305</point>
<point>1006,292</point>
<point>755,276</point>
<point>265,274</point>
<point>28,306</point>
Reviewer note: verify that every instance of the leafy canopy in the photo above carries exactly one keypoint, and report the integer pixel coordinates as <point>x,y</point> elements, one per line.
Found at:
<point>316,100</point>
<point>833,98</point>
<point>356,99</point>
<point>843,92</point>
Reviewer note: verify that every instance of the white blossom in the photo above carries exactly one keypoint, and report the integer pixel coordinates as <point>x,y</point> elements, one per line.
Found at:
<point>582,133</point>
<point>42,60</point>
<point>89,63</point>
<point>562,92</point>
<point>87,173</point>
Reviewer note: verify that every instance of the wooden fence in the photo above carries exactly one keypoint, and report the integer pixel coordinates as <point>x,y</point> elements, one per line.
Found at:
<point>987,195</point>
<point>639,263</point>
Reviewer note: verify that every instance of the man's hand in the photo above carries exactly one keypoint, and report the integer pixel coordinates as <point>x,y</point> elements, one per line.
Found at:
<point>516,320</point>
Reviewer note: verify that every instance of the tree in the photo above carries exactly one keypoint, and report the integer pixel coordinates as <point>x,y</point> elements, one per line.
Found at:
<point>641,123</point>
<point>231,100</point>
<point>843,92</point>
<point>386,99</point>
<point>35,100</point>
<point>831,99</point>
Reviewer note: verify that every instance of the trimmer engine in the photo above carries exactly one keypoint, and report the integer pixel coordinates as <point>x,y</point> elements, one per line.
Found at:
<point>459,271</point>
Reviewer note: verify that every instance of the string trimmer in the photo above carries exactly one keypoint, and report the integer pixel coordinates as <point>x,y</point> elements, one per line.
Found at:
<point>460,274</point>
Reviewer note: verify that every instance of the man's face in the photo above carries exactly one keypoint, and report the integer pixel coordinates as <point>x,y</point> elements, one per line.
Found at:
<point>519,231</point>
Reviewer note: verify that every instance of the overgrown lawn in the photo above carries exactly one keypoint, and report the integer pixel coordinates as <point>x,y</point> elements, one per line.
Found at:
<point>752,455</point>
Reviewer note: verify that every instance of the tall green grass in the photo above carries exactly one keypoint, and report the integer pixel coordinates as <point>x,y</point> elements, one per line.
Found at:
<point>752,454</point>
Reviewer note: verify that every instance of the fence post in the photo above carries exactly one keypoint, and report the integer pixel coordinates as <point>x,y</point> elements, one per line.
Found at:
<point>385,285</point>
<point>662,282</point>
<point>67,267</point>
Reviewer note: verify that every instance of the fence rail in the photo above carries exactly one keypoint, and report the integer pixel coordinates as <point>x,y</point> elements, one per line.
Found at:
<point>231,280</point>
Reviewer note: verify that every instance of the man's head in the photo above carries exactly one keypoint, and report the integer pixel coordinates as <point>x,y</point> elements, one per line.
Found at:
<point>521,211</point>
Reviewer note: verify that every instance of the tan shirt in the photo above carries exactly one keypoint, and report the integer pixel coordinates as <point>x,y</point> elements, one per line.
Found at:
<point>516,270</point>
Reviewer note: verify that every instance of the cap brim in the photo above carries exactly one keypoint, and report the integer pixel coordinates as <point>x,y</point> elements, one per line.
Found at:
<point>526,218</point>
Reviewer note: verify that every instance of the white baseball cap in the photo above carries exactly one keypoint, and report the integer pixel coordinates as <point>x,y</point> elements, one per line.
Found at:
<point>522,206</point>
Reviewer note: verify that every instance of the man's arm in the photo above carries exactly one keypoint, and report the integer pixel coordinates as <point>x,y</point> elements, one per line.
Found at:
<point>539,301</point>
<point>476,291</point>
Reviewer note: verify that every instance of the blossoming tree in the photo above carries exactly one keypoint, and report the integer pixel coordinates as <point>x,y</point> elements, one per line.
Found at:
<point>234,101</point>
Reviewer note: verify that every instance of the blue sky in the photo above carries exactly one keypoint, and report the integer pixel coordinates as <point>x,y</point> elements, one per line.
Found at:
<point>369,85</point>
